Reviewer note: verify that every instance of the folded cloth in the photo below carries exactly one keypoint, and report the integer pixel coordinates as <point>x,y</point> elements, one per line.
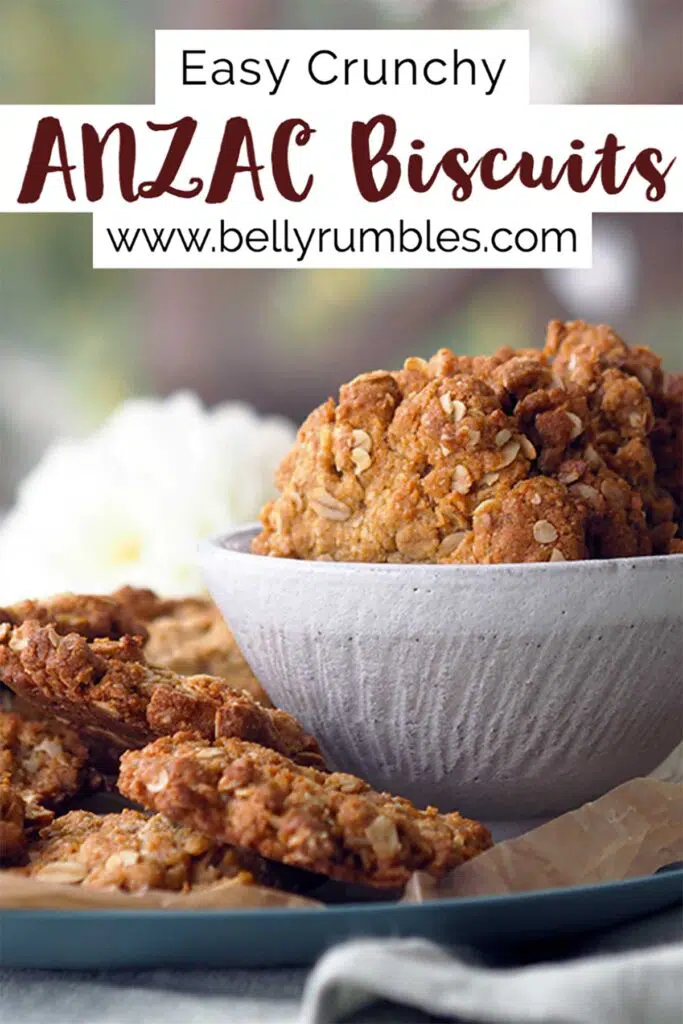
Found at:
<point>151,997</point>
<point>645,986</point>
<point>630,988</point>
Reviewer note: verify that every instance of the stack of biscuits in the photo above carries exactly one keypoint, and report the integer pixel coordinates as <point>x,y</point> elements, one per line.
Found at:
<point>571,452</point>
<point>154,697</point>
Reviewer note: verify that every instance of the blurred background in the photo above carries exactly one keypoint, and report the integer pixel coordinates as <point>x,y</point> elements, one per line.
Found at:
<point>74,342</point>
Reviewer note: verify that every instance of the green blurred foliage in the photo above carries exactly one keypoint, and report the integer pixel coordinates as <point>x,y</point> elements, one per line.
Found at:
<point>70,51</point>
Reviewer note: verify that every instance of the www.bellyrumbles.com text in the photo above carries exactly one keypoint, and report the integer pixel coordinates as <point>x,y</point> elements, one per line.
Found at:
<point>281,236</point>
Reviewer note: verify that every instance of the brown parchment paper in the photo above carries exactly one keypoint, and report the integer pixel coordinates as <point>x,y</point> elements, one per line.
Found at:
<point>631,831</point>
<point>20,893</point>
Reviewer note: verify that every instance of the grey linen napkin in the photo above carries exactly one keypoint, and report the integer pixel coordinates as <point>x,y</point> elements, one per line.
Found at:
<point>636,987</point>
<point>632,988</point>
<point>151,997</point>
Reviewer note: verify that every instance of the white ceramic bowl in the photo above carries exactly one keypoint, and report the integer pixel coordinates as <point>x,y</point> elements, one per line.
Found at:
<point>510,692</point>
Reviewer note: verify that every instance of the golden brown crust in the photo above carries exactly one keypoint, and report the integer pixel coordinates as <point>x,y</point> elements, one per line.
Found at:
<point>536,521</point>
<point>631,429</point>
<point>667,440</point>
<point>107,686</point>
<point>186,635</point>
<point>399,468</point>
<point>41,765</point>
<point>12,823</point>
<point>581,352</point>
<point>191,637</point>
<point>385,476</point>
<point>555,418</point>
<point>514,375</point>
<point>333,824</point>
<point>131,852</point>
<point>616,526</point>
<point>88,614</point>
<point>99,684</point>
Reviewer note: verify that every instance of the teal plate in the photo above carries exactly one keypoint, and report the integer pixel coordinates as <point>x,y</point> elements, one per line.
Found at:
<point>107,939</point>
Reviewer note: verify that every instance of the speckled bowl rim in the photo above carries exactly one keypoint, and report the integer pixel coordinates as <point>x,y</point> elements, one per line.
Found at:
<point>217,545</point>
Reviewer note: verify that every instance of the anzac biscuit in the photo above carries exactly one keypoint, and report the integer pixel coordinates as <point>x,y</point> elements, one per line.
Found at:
<point>107,688</point>
<point>41,766</point>
<point>332,824</point>
<point>131,852</point>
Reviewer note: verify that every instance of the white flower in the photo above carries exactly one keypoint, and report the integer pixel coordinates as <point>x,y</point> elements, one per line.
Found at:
<point>129,503</point>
